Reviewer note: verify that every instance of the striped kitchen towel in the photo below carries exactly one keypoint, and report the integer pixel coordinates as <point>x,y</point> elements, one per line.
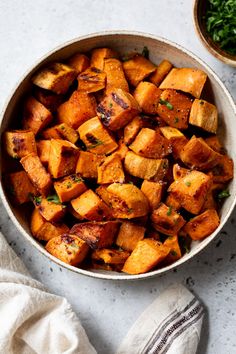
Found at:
<point>171,324</point>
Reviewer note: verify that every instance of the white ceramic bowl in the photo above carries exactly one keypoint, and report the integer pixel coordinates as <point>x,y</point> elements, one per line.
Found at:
<point>125,42</point>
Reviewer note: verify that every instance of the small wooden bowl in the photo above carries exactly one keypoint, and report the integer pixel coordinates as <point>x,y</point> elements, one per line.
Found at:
<point>199,11</point>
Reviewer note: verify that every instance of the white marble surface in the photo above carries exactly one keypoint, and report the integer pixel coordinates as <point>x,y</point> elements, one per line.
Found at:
<point>28,29</point>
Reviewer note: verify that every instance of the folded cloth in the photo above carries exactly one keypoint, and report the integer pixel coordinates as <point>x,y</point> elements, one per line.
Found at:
<point>171,324</point>
<point>33,321</point>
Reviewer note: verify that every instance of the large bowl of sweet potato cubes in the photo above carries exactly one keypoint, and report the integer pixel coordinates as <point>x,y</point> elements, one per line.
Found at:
<point>117,155</point>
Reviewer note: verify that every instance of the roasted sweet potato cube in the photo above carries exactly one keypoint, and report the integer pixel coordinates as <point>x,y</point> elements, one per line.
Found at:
<point>96,137</point>
<point>80,107</point>
<point>111,170</point>
<point>202,225</point>
<point>115,75</point>
<point>150,143</point>
<point>20,187</point>
<point>52,211</point>
<point>204,115</point>
<point>97,234</point>
<point>91,80</point>
<point>89,206</point>
<point>20,143</point>
<point>79,62</point>
<point>175,251</point>
<point>215,144</point>
<point>147,95</point>
<point>176,139</point>
<point>122,150</point>
<point>49,99</point>
<point>109,256</point>
<point>43,150</point>
<point>126,200</point>
<point>210,201</point>
<point>197,154</point>
<point>172,202</point>
<point>68,133</point>
<point>179,172</point>
<point>188,80</point>
<point>35,116</point>
<point>68,248</point>
<point>87,164</point>
<point>153,191</point>
<point>146,255</point>
<point>56,77</point>
<point>161,71</point>
<point>224,170</point>
<point>51,133</point>
<point>129,235</point>
<point>174,107</point>
<point>117,109</point>
<point>137,68</point>
<point>99,55</point>
<point>142,167</point>
<point>63,158</point>
<point>44,230</point>
<point>166,220</point>
<point>191,190</point>
<point>69,187</point>
<point>36,172</point>
<point>132,129</point>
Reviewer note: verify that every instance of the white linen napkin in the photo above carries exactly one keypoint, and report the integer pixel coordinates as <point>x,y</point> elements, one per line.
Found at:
<point>33,321</point>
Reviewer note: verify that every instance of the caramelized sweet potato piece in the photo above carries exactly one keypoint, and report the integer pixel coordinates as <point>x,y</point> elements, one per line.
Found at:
<point>174,107</point>
<point>224,170</point>
<point>63,158</point>
<point>147,95</point>
<point>89,206</point>
<point>56,77</point>
<point>146,255</point>
<point>179,172</point>
<point>129,235</point>
<point>197,154</point>
<point>132,129</point>
<point>37,173</point>
<point>91,80</point>
<point>79,62</point>
<point>160,73</point>
<point>87,164</point>
<point>172,202</point>
<point>69,187</point>
<point>99,55</point>
<point>51,133</point>
<point>175,251</point>
<point>80,107</point>
<point>49,99</point>
<point>166,220</point>
<point>109,256</point>
<point>44,230</point>
<point>121,151</point>
<point>191,190</point>
<point>176,139</point>
<point>67,132</point>
<point>43,150</point>
<point>115,75</point>
<point>125,200</point>
<point>149,143</point>
<point>68,248</point>
<point>137,68</point>
<point>149,169</point>
<point>202,225</point>
<point>20,187</point>
<point>35,116</point>
<point>215,144</point>
<point>204,115</point>
<point>97,234</point>
<point>188,80</point>
<point>20,143</point>
<point>111,170</point>
<point>51,211</point>
<point>153,191</point>
<point>117,109</point>
<point>96,137</point>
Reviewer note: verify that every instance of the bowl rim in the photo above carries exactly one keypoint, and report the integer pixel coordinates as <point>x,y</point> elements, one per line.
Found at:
<point>208,42</point>
<point>34,242</point>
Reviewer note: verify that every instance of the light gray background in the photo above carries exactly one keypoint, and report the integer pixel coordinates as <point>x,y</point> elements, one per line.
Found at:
<point>28,29</point>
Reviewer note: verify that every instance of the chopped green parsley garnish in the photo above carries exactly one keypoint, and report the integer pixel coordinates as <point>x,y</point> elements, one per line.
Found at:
<point>166,103</point>
<point>169,211</point>
<point>223,194</point>
<point>188,184</point>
